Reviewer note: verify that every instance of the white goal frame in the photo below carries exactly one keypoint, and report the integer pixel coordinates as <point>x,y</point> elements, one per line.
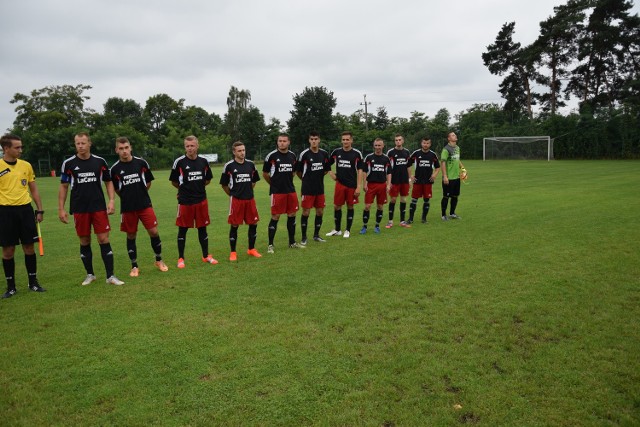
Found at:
<point>519,140</point>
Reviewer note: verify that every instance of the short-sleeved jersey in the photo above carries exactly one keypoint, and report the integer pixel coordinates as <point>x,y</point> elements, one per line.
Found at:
<point>192,175</point>
<point>424,162</point>
<point>399,165</point>
<point>85,180</point>
<point>280,167</point>
<point>14,182</point>
<point>347,165</point>
<point>240,178</point>
<point>377,167</point>
<point>451,156</point>
<point>130,180</point>
<point>313,167</point>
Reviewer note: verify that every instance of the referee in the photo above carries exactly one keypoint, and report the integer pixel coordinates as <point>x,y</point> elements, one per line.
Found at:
<point>17,222</point>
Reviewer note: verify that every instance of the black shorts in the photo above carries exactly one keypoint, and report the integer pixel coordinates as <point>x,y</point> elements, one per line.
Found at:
<point>452,189</point>
<point>17,225</point>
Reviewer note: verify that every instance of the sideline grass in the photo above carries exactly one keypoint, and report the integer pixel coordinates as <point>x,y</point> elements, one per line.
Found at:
<point>525,312</point>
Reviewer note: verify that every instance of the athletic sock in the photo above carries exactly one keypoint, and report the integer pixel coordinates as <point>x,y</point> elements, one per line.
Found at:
<point>9,266</point>
<point>273,227</point>
<point>253,235</point>
<point>338,219</point>
<point>32,267</point>
<point>392,207</point>
<point>233,237</point>
<point>365,217</point>
<point>349,219</point>
<point>291,229</point>
<point>203,238</point>
<point>378,216</point>
<point>156,246</point>
<point>443,205</point>
<point>304,220</point>
<point>412,208</point>
<point>317,225</point>
<point>107,258</point>
<point>403,209</point>
<point>182,241</point>
<point>132,251</point>
<point>425,209</point>
<point>86,255</point>
<point>454,204</point>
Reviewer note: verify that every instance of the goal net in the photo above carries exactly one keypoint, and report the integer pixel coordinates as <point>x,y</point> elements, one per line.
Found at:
<point>517,148</point>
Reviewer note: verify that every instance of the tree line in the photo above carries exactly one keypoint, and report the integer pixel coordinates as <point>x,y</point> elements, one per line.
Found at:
<point>587,50</point>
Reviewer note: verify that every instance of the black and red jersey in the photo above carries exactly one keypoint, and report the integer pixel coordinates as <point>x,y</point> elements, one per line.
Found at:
<point>399,165</point>
<point>376,167</point>
<point>280,167</point>
<point>347,165</point>
<point>424,162</point>
<point>130,180</point>
<point>240,178</point>
<point>313,167</point>
<point>85,179</point>
<point>192,175</point>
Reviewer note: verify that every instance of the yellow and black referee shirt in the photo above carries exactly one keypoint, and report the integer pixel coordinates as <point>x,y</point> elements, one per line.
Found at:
<point>14,183</point>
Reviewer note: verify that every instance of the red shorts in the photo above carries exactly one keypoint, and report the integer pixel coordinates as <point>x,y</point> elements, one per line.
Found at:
<point>376,190</point>
<point>284,204</point>
<point>84,220</point>
<point>197,214</point>
<point>401,189</point>
<point>129,220</point>
<point>242,211</point>
<point>344,195</point>
<point>313,201</point>
<point>421,191</point>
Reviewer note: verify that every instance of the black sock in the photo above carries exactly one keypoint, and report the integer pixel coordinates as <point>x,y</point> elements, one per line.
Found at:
<point>253,235</point>
<point>443,205</point>
<point>32,267</point>
<point>9,266</point>
<point>233,238</point>
<point>454,204</point>
<point>349,219</point>
<point>317,225</point>
<point>392,207</point>
<point>132,251</point>
<point>412,208</point>
<point>86,255</point>
<point>378,216</point>
<point>403,209</point>
<point>365,217</point>
<point>338,219</point>
<point>425,209</point>
<point>107,258</point>
<point>304,220</point>
<point>291,229</point>
<point>156,246</point>
<point>182,241</point>
<point>203,238</point>
<point>273,227</point>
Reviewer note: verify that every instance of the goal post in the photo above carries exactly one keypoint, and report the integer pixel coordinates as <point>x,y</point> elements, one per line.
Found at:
<point>517,148</point>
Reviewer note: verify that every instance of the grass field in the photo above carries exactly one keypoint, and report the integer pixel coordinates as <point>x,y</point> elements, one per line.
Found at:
<point>526,312</point>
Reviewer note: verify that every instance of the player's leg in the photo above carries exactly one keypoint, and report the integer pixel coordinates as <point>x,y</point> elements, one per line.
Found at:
<point>9,265</point>
<point>132,252</point>
<point>304,221</point>
<point>233,241</point>
<point>318,224</point>
<point>392,208</point>
<point>425,209</point>
<point>28,237</point>
<point>403,207</point>
<point>182,241</point>
<point>365,218</point>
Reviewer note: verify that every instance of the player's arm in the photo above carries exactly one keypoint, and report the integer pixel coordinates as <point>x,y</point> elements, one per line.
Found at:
<point>225,188</point>
<point>35,195</point>
<point>299,174</point>
<point>62,199</point>
<point>266,177</point>
<point>436,171</point>
<point>443,167</point>
<point>111,192</point>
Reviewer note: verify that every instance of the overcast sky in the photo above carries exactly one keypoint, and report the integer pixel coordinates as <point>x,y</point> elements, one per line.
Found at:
<point>405,55</point>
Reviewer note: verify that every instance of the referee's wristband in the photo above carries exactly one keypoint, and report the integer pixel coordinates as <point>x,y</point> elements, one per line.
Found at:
<point>39,212</point>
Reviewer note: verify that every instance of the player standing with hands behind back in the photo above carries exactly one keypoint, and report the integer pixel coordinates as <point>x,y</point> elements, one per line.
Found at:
<point>451,165</point>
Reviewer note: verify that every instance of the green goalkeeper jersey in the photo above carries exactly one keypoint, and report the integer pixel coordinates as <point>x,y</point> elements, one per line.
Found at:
<point>451,156</point>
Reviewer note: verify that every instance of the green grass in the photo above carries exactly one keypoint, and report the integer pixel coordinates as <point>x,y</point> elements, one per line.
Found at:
<point>525,312</point>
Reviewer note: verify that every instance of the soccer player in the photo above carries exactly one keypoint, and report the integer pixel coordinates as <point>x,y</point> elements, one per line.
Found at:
<point>17,221</point>
<point>451,164</point>
<point>401,169</point>
<point>190,174</point>
<point>239,177</point>
<point>312,166</point>
<point>348,161</point>
<point>426,167</point>
<point>132,178</point>
<point>84,172</point>
<point>376,174</point>
<point>278,170</point>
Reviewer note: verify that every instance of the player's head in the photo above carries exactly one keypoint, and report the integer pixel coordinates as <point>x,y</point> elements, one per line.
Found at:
<point>191,146</point>
<point>239,151</point>
<point>82,142</point>
<point>11,146</point>
<point>425,143</point>
<point>314,139</point>
<point>399,140</point>
<point>123,148</point>
<point>378,145</point>
<point>452,137</point>
<point>283,142</point>
<point>347,139</point>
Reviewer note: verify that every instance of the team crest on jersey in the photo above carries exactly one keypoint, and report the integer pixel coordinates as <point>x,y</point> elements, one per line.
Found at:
<point>23,182</point>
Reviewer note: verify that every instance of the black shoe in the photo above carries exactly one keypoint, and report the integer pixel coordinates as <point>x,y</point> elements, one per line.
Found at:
<point>35,287</point>
<point>424,220</point>
<point>9,293</point>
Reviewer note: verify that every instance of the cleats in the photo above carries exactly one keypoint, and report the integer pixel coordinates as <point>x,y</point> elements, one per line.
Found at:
<point>389,224</point>
<point>160,265</point>
<point>180,263</point>
<point>444,218</point>
<point>9,293</point>
<point>295,245</point>
<point>346,234</point>
<point>303,242</point>
<point>363,230</point>
<point>89,279</point>
<point>377,229</point>
<point>334,233</point>
<point>424,220</point>
<point>454,216</point>
<point>254,253</point>
<point>135,272</point>
<point>113,280</point>
<point>233,256</point>
<point>35,287</point>
<point>319,239</point>
<point>271,249</point>
<point>406,224</point>
<point>210,260</point>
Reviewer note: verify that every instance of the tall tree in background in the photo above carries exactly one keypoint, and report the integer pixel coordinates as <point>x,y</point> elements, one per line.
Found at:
<point>237,104</point>
<point>158,110</point>
<point>312,110</point>
<point>252,130</point>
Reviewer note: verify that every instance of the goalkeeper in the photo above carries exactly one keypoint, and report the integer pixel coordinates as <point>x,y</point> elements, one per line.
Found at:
<point>452,171</point>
